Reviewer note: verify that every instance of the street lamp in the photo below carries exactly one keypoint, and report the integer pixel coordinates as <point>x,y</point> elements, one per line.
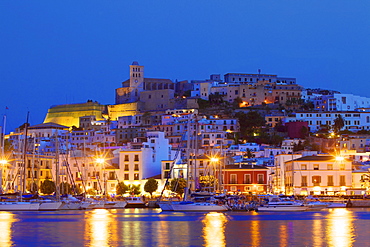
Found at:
<point>215,160</point>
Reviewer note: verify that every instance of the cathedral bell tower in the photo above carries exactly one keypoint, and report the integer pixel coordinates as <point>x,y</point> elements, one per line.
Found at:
<point>137,77</point>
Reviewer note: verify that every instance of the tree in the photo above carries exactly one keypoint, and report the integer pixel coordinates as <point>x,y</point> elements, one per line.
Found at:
<point>91,192</point>
<point>236,103</point>
<point>33,188</point>
<point>249,154</point>
<point>298,147</point>
<point>65,188</point>
<point>150,186</point>
<point>121,188</point>
<point>338,123</point>
<point>251,122</point>
<point>207,181</point>
<point>47,187</point>
<point>177,185</point>
<point>134,189</point>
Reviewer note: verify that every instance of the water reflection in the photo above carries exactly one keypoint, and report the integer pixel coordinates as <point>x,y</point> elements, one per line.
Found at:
<point>283,235</point>
<point>214,229</point>
<point>340,230</point>
<point>99,228</point>
<point>255,233</point>
<point>317,232</point>
<point>6,221</point>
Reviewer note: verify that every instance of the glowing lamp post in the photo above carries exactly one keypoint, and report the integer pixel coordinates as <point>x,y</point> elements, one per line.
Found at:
<point>215,161</point>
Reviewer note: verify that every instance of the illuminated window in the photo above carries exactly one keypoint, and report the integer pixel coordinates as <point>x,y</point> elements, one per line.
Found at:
<point>260,178</point>
<point>342,180</point>
<point>233,178</point>
<point>316,180</point>
<point>330,180</point>
<point>247,179</point>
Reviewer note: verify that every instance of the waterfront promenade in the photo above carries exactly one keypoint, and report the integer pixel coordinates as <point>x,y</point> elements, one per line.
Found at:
<point>151,227</point>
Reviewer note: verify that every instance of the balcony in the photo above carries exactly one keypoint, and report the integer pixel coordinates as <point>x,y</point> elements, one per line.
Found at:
<point>233,182</point>
<point>303,184</point>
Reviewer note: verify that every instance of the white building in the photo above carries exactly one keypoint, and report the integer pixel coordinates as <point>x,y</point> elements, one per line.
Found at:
<point>353,120</point>
<point>340,102</point>
<point>144,161</point>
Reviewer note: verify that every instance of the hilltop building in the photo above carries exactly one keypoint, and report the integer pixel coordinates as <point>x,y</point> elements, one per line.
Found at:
<point>69,114</point>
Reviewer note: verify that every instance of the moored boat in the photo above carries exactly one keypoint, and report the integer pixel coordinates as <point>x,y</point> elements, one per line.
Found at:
<point>275,204</point>
<point>19,206</point>
<point>135,202</point>
<point>189,206</point>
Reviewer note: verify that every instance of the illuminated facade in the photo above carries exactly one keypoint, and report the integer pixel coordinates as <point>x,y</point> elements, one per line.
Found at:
<point>245,178</point>
<point>69,114</point>
<point>318,175</point>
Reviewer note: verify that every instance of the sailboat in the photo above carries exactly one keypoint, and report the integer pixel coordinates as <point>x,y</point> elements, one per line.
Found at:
<point>19,204</point>
<point>190,205</point>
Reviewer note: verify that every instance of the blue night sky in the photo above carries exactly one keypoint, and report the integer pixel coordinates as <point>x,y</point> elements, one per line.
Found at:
<point>61,52</point>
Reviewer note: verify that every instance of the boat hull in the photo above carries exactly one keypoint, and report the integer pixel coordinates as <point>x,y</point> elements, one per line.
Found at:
<point>199,207</point>
<point>19,206</point>
<point>50,206</point>
<point>165,206</point>
<point>282,208</point>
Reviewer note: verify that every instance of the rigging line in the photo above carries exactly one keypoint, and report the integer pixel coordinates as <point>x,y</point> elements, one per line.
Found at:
<point>173,165</point>
<point>69,172</point>
<point>80,172</point>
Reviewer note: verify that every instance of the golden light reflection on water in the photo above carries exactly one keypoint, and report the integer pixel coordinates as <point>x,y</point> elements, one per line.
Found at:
<point>214,229</point>
<point>283,229</point>
<point>255,233</point>
<point>317,231</point>
<point>6,221</point>
<point>340,230</point>
<point>99,228</point>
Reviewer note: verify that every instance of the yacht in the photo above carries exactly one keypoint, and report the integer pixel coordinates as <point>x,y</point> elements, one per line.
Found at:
<point>135,202</point>
<point>19,206</point>
<point>190,206</point>
<point>275,204</point>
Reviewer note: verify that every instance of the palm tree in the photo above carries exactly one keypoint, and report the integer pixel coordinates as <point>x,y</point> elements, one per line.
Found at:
<point>338,123</point>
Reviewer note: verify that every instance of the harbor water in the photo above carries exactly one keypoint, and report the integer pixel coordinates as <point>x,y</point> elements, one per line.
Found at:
<point>151,227</point>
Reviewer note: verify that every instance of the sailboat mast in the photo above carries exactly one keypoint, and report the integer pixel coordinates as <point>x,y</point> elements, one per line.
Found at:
<point>23,174</point>
<point>57,192</point>
<point>3,136</point>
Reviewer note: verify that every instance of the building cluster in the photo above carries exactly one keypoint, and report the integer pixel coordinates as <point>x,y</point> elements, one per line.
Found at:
<point>156,130</point>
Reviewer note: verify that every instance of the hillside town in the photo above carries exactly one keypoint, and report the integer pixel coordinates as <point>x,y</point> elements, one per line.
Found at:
<point>243,134</point>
